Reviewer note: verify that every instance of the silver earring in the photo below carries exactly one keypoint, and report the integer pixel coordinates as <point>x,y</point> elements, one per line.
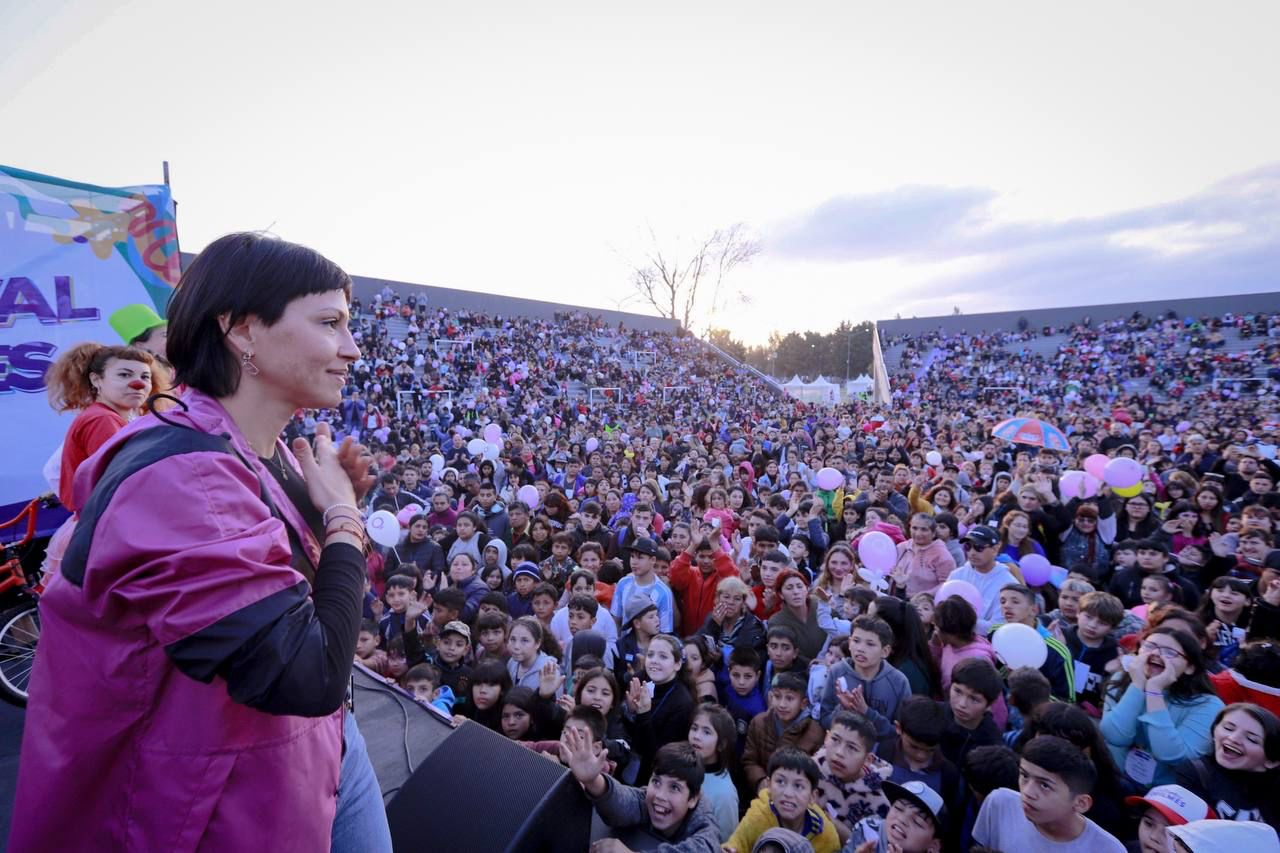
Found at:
<point>246,363</point>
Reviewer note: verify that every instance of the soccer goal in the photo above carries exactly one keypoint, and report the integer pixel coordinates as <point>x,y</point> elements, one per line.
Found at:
<point>444,345</point>
<point>667,390</point>
<point>604,395</point>
<point>641,358</point>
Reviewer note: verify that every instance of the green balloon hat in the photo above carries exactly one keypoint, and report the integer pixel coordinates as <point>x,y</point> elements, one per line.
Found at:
<point>131,321</point>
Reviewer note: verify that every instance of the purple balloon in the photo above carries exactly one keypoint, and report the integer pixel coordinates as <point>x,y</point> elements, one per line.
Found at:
<point>1122,473</point>
<point>1035,569</point>
<point>964,590</point>
<point>493,434</point>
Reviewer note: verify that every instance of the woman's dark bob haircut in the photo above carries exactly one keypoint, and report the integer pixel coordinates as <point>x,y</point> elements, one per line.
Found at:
<point>239,275</point>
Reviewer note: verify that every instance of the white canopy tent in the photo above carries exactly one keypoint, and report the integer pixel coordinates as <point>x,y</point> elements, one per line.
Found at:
<point>820,391</point>
<point>861,385</point>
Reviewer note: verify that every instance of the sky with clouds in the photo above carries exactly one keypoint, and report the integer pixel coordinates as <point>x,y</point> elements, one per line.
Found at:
<point>891,158</point>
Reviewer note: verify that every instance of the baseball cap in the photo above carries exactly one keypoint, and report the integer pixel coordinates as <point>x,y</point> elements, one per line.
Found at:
<point>645,545</point>
<point>1227,836</point>
<point>982,535</point>
<point>922,797</point>
<point>1175,802</point>
<point>456,627</point>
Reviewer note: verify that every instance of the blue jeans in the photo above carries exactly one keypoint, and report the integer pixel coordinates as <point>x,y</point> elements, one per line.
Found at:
<point>360,826</point>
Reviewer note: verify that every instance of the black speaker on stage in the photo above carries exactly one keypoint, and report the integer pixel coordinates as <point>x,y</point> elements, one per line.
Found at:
<point>464,789</point>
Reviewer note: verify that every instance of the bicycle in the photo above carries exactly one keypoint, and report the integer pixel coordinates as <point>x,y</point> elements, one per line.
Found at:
<point>19,612</point>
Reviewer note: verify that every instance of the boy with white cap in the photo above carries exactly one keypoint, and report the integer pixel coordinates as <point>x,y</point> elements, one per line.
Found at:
<point>1166,806</point>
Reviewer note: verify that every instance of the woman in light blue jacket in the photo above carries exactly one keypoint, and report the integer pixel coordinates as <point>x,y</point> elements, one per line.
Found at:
<point>1160,710</point>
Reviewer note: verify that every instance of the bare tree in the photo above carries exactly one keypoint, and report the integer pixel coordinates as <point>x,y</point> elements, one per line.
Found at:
<point>681,289</point>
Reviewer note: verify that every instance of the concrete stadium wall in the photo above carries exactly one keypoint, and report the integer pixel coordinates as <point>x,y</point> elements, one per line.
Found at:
<point>491,303</point>
<point>1040,317</point>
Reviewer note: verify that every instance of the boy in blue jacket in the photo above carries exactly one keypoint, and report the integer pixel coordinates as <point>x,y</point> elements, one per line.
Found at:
<point>740,691</point>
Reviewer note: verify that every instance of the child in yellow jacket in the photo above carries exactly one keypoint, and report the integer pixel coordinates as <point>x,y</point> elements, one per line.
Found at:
<point>788,802</point>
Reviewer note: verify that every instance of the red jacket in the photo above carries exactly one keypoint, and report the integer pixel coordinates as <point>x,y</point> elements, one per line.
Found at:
<point>1234,687</point>
<point>697,591</point>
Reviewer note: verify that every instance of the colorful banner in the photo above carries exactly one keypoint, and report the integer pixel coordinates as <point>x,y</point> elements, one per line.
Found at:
<point>70,255</point>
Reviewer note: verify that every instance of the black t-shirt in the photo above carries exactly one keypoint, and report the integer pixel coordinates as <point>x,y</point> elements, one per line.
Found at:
<point>1233,794</point>
<point>295,488</point>
<point>1096,659</point>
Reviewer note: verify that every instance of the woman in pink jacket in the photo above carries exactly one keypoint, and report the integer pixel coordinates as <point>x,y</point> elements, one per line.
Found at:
<point>197,646</point>
<point>923,560</point>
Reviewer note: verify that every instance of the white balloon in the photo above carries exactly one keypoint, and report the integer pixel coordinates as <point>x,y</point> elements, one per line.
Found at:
<point>476,446</point>
<point>383,528</point>
<point>491,452</point>
<point>1020,645</point>
<point>933,457</point>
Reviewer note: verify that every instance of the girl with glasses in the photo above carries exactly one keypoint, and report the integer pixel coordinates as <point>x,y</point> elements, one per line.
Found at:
<point>1160,711</point>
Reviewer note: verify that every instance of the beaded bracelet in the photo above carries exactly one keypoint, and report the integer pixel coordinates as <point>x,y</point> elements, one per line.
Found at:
<point>357,532</point>
<point>324,516</point>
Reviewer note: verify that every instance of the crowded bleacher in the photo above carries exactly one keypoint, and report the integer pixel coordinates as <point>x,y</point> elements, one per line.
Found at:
<point>742,621</point>
<point>680,537</point>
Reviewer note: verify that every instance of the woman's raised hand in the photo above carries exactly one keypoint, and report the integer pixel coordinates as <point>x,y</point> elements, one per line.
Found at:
<point>328,482</point>
<point>357,461</point>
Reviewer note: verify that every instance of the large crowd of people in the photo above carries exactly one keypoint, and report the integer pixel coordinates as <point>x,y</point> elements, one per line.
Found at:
<point>615,550</point>
<point>684,609</point>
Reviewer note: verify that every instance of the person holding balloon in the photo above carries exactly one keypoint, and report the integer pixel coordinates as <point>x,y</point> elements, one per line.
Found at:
<point>923,562</point>
<point>417,548</point>
<point>1019,608</point>
<point>1088,540</point>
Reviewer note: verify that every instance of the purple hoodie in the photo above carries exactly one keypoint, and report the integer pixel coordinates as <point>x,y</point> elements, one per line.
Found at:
<point>122,751</point>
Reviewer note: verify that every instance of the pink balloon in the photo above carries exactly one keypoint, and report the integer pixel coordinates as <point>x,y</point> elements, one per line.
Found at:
<point>1123,472</point>
<point>493,434</point>
<point>1035,569</point>
<point>529,495</point>
<point>1078,484</point>
<point>964,590</point>
<point>1092,485</point>
<point>829,479</point>
<point>1071,484</point>
<point>407,513</point>
<point>1095,464</point>
<point>877,552</point>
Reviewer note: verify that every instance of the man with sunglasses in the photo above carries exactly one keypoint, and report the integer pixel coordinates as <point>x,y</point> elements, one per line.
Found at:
<point>982,545</point>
